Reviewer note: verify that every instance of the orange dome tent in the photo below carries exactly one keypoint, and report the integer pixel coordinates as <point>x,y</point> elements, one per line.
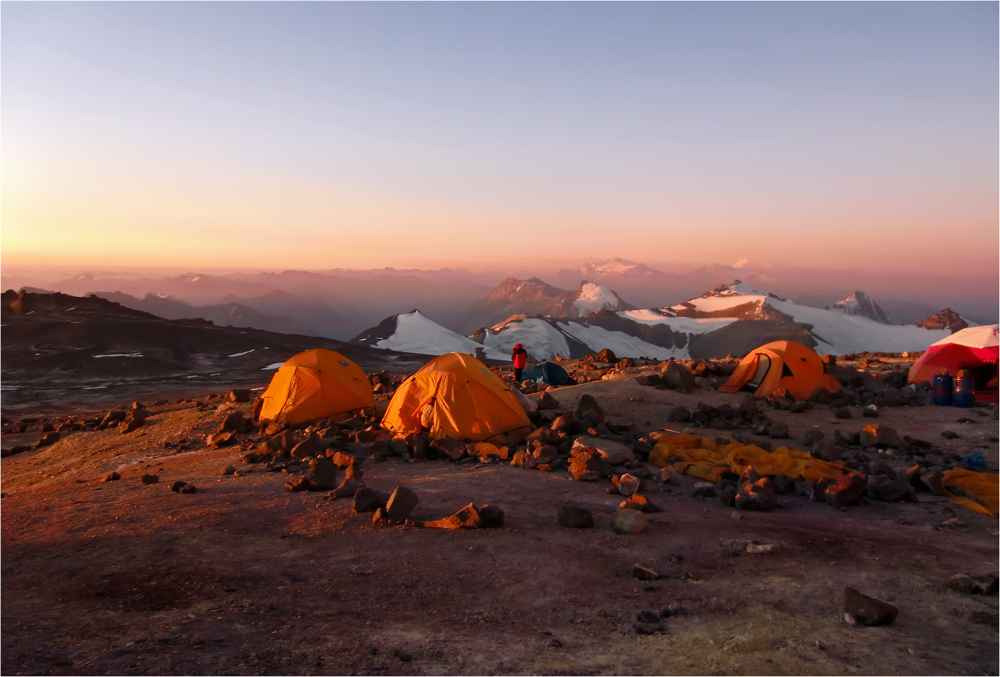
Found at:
<point>316,384</point>
<point>781,364</point>
<point>456,395</point>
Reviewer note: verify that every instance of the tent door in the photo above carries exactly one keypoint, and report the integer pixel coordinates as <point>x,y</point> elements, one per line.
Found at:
<point>763,365</point>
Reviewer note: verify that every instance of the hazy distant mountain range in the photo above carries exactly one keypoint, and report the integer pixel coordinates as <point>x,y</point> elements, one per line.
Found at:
<point>341,303</point>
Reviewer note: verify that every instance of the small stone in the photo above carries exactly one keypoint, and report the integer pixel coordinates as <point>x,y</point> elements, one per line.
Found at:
<point>679,413</point>
<point>322,474</point>
<point>466,518</point>
<point>868,610</point>
<point>217,440</point>
<point>491,516</point>
<point>758,495</point>
<point>628,522</point>
<point>575,517</point>
<point>546,401</point>
<point>974,585</point>
<point>176,486</point>
<point>149,479</point>
<point>300,484</point>
<point>629,484</point>
<point>239,395</point>
<point>402,655</point>
<point>639,502</point>
<point>129,425</point>
<point>368,500</point>
<point>308,448</point>
<point>197,640</point>
<point>228,470</point>
<point>777,431</point>
<point>401,504</point>
<point>112,477</point>
<point>846,489</point>
<point>347,489</point>
<point>644,573</point>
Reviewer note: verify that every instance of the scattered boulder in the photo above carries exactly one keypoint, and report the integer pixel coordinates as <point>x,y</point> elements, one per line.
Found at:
<point>308,448</point>
<point>821,396</point>
<point>546,401</point>
<point>777,431</point>
<point>826,450</point>
<point>607,355</point>
<point>322,474</point>
<point>217,440</point>
<point>615,453</point>
<point>644,573</point>
<point>575,517</point>
<point>846,489</point>
<point>589,410</point>
<point>149,479</point>
<point>648,380</point>
<point>677,377</point>
<point>630,484</point>
<point>879,434</point>
<point>679,413</point>
<point>347,489</point>
<point>112,477</point>
<point>239,395</point>
<point>369,500</point>
<point>468,517</point>
<point>236,422</point>
<point>401,504</point>
<point>47,439</point>
<point>859,608</point>
<point>628,522</point>
<point>227,470</point>
<point>128,425</point>
<point>974,585</point>
<point>300,484</point>
<point>564,422</point>
<point>492,516</point>
<point>639,502</point>
<point>891,491</point>
<point>757,495</point>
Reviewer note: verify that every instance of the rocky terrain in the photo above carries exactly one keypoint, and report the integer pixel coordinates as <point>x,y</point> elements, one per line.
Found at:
<point>64,351</point>
<point>171,535</point>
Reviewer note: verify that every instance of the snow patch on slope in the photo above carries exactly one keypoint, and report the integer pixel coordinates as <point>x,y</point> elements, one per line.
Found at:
<point>417,333</point>
<point>620,343</point>
<point>539,338</point>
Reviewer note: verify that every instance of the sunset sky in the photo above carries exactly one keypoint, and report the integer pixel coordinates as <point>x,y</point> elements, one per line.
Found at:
<point>315,135</point>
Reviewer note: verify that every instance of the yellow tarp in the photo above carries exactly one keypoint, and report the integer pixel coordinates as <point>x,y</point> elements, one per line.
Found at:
<point>985,487</point>
<point>706,459</point>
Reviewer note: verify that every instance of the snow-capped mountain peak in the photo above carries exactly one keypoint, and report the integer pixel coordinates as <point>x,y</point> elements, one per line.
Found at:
<point>591,297</point>
<point>862,305</point>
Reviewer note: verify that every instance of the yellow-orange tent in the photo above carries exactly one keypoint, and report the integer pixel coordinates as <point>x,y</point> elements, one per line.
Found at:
<point>782,364</point>
<point>456,395</point>
<point>316,384</point>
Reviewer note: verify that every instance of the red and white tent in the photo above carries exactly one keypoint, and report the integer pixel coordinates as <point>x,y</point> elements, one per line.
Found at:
<point>964,349</point>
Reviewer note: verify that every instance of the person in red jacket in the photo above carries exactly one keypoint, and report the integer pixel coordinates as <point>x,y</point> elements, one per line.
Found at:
<point>520,357</point>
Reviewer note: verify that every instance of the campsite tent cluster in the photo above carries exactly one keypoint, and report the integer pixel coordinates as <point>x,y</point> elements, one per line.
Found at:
<point>453,395</point>
<point>458,396</point>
